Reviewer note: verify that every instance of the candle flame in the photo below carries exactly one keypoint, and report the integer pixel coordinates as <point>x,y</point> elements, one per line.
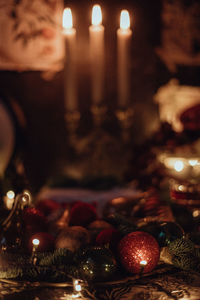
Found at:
<point>96,15</point>
<point>178,165</point>
<point>124,19</point>
<point>67,18</point>
<point>36,242</point>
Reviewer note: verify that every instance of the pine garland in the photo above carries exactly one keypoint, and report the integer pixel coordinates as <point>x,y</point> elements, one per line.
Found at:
<point>180,246</point>
<point>184,254</point>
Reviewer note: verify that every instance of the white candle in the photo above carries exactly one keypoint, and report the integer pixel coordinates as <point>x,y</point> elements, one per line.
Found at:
<point>70,61</point>
<point>124,34</point>
<point>96,31</point>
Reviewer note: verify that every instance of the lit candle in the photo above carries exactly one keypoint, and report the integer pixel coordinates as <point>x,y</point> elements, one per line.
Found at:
<point>96,31</point>
<point>124,34</point>
<point>70,61</point>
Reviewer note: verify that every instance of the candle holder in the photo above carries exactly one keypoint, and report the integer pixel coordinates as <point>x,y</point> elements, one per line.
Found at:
<point>11,227</point>
<point>125,119</point>
<point>98,114</point>
<point>72,119</point>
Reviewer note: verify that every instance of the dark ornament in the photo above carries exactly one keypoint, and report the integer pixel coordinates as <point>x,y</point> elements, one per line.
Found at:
<point>164,233</point>
<point>97,264</point>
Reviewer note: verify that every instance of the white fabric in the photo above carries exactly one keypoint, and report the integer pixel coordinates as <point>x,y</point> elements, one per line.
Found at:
<point>31,35</point>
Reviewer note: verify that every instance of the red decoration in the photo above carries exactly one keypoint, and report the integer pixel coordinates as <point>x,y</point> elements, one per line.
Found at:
<point>109,236</point>
<point>139,252</point>
<point>190,118</point>
<point>82,214</point>
<point>46,242</point>
<point>34,220</point>
<point>47,206</point>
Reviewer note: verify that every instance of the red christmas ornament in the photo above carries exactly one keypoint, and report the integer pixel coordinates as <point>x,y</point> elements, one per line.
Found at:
<point>139,252</point>
<point>109,236</point>
<point>46,242</point>
<point>34,220</point>
<point>47,206</point>
<point>82,214</point>
<point>190,118</point>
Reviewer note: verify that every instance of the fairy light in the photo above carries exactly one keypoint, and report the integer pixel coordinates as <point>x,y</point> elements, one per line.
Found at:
<point>77,289</point>
<point>178,165</point>
<point>193,162</point>
<point>35,243</point>
<point>143,263</point>
<point>9,199</point>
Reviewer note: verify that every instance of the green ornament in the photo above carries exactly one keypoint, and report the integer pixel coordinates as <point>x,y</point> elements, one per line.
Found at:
<point>97,264</point>
<point>180,246</point>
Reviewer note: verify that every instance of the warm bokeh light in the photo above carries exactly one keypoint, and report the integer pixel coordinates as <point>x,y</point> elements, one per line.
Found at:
<point>9,199</point>
<point>124,19</point>
<point>36,242</point>
<point>10,195</point>
<point>193,162</point>
<point>67,18</point>
<point>96,15</point>
<point>143,263</point>
<point>178,165</point>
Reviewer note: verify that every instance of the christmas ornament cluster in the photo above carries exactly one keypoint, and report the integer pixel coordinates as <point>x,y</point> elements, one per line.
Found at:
<point>74,242</point>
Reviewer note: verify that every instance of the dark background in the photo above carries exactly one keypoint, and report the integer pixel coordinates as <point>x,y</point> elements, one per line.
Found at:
<point>42,138</point>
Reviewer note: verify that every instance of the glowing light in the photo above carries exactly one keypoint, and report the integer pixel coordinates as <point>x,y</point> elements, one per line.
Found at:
<point>67,18</point>
<point>124,19</point>
<point>143,263</point>
<point>178,165</point>
<point>196,213</point>
<point>193,162</point>
<point>10,195</point>
<point>96,15</point>
<point>9,199</point>
<point>181,188</point>
<point>36,242</point>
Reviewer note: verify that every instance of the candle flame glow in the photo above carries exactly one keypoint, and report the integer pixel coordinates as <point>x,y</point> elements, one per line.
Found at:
<point>67,18</point>
<point>178,165</point>
<point>36,242</point>
<point>124,19</point>
<point>96,15</point>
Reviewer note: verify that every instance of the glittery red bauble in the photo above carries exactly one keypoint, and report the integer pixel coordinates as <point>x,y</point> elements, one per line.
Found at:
<point>138,247</point>
<point>46,242</point>
<point>82,214</point>
<point>47,206</point>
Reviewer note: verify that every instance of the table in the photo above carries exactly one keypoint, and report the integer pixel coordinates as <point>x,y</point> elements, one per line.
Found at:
<point>171,284</point>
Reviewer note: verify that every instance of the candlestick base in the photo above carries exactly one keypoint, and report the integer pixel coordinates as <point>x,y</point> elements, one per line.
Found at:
<point>125,119</point>
<point>72,119</point>
<point>98,114</point>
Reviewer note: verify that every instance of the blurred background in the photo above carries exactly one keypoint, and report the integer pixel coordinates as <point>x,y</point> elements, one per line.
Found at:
<point>165,45</point>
